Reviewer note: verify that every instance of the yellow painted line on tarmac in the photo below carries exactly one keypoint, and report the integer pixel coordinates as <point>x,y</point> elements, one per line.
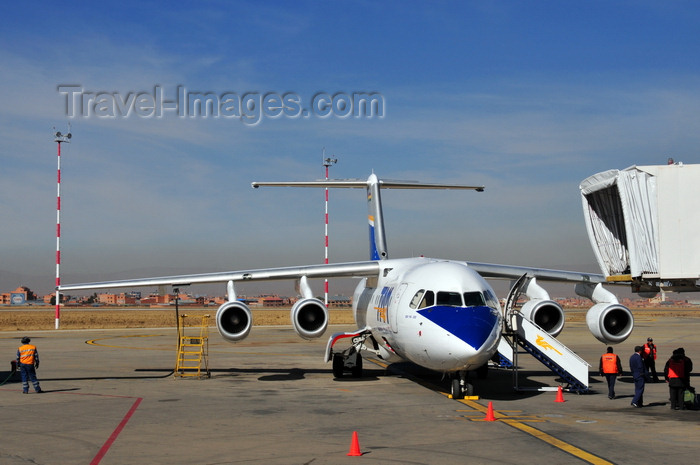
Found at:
<point>95,342</point>
<point>516,421</point>
<point>378,363</point>
<point>558,443</point>
<point>518,424</point>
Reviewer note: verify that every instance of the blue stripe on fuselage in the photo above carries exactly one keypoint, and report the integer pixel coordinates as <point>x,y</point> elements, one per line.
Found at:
<point>373,252</point>
<point>473,325</point>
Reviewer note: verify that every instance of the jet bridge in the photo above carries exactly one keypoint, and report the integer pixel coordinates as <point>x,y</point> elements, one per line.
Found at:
<point>643,225</point>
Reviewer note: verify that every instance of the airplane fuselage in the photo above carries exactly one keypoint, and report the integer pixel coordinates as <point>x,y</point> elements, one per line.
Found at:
<point>439,314</point>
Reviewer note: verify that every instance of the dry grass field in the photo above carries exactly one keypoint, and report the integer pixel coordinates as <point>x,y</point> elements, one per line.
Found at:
<point>12,319</point>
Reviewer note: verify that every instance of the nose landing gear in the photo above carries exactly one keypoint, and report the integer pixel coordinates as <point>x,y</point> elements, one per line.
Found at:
<point>460,387</point>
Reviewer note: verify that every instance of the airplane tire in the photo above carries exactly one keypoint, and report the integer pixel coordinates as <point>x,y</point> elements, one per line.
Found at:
<point>338,365</point>
<point>357,369</point>
<point>469,389</point>
<point>456,389</point>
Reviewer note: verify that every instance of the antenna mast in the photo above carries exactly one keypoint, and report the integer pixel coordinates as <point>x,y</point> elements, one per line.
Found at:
<point>59,139</point>
<point>327,162</point>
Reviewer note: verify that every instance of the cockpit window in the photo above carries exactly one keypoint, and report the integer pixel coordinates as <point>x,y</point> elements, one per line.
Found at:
<point>492,300</point>
<point>428,299</point>
<point>424,299</point>
<point>473,299</point>
<point>416,299</point>
<point>449,299</point>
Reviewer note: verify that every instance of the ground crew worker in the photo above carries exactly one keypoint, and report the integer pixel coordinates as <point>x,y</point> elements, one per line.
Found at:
<point>639,374</point>
<point>610,367</point>
<point>688,366</point>
<point>675,374</point>
<point>649,356</point>
<point>28,362</point>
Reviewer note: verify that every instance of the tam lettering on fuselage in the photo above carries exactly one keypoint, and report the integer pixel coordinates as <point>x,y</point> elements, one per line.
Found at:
<point>382,306</point>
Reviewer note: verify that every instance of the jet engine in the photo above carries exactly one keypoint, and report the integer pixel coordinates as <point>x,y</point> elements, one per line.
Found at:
<point>610,323</point>
<point>547,314</point>
<point>234,320</point>
<point>309,318</point>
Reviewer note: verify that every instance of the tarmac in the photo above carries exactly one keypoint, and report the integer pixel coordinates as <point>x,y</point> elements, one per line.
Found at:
<point>110,398</point>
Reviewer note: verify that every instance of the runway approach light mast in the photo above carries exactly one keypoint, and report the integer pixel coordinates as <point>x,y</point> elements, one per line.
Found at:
<point>327,162</point>
<point>59,139</point>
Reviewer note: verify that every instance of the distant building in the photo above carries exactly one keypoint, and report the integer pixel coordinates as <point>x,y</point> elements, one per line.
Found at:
<point>107,299</point>
<point>19,296</point>
<point>128,299</point>
<point>272,301</point>
<point>119,299</point>
<point>157,299</point>
<point>339,301</point>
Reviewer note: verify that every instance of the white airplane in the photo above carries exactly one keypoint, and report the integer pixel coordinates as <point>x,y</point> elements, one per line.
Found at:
<point>439,314</point>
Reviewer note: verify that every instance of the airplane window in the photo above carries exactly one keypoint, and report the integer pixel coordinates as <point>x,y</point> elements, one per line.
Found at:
<point>416,299</point>
<point>474,299</point>
<point>450,299</point>
<point>428,299</point>
<point>492,300</point>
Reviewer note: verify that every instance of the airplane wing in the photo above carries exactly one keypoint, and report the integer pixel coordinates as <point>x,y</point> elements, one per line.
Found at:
<point>491,270</point>
<point>334,270</point>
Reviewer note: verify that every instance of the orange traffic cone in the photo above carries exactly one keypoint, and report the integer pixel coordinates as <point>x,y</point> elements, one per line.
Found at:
<point>354,446</point>
<point>489,413</point>
<point>560,395</point>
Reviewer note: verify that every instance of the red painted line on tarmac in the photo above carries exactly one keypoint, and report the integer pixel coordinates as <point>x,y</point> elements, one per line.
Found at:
<point>115,433</point>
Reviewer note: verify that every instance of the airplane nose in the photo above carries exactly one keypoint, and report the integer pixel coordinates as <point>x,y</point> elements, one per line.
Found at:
<point>472,325</point>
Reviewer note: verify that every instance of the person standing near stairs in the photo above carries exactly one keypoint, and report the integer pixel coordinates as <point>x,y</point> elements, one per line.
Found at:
<point>639,374</point>
<point>649,356</point>
<point>610,367</point>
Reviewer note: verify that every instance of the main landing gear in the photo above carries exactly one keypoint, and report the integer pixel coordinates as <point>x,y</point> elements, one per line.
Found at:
<point>347,361</point>
<point>350,360</point>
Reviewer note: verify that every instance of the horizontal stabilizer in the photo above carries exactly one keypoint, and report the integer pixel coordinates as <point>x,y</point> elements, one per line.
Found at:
<point>358,184</point>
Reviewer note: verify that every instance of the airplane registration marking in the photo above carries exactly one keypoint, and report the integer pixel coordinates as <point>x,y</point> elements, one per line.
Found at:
<point>545,345</point>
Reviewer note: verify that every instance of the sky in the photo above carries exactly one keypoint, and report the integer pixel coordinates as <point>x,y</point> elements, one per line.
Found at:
<point>525,98</point>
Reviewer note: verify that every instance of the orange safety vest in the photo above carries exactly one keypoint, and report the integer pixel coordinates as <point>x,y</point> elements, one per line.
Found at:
<point>648,351</point>
<point>676,368</point>
<point>609,363</point>
<point>26,354</point>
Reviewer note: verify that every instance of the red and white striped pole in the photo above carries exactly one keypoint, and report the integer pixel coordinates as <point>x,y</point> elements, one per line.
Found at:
<point>59,139</point>
<point>327,162</point>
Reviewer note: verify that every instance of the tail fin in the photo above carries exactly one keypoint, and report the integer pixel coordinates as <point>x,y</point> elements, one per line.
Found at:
<point>377,237</point>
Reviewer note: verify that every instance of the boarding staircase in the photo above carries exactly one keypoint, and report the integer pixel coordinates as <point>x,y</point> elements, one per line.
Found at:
<point>521,332</point>
<point>545,348</point>
<point>193,347</point>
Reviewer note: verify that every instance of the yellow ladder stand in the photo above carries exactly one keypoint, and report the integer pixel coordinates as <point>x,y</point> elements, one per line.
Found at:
<point>193,348</point>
